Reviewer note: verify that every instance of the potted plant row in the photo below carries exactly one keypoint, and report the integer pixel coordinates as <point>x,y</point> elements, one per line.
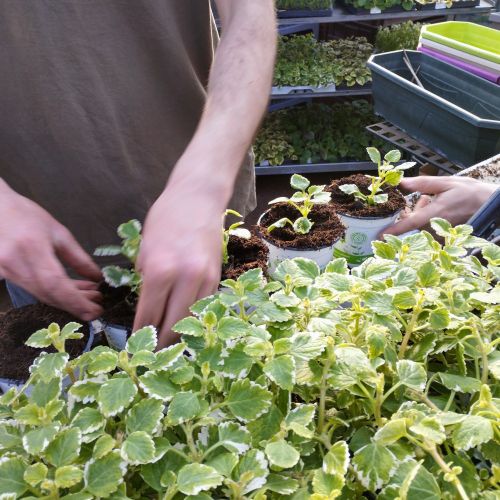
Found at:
<point>448,4</point>
<point>304,8</point>
<point>342,219</point>
<point>307,65</point>
<point>402,36</point>
<point>377,382</point>
<point>316,133</point>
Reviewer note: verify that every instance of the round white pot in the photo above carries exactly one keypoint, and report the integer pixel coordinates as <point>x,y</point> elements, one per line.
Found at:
<point>278,254</point>
<point>356,245</point>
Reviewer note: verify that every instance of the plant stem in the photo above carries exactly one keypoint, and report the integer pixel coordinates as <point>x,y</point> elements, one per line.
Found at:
<point>422,397</point>
<point>411,326</point>
<point>190,442</point>
<point>433,452</point>
<point>322,393</point>
<point>450,401</point>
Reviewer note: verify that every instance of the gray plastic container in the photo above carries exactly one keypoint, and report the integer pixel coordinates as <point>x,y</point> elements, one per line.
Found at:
<point>456,114</point>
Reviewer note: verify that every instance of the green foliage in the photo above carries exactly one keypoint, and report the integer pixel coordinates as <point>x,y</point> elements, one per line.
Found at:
<point>303,200</point>
<point>316,385</point>
<point>388,174</point>
<point>398,37</point>
<point>381,4</point>
<point>303,4</point>
<point>316,133</point>
<point>116,276</point>
<point>303,61</point>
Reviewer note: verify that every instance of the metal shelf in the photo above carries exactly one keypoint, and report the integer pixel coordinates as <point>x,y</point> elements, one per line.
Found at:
<point>341,15</point>
<point>316,168</point>
<point>342,92</point>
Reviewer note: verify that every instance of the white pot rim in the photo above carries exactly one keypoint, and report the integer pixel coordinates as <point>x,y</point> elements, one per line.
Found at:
<point>291,248</point>
<point>390,216</point>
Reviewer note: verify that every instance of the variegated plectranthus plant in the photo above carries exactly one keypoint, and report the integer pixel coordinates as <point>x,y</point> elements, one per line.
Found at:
<point>380,382</point>
<point>116,276</point>
<point>303,200</point>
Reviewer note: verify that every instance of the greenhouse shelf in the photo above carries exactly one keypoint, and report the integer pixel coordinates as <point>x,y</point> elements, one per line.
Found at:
<point>340,15</point>
<point>315,168</point>
<point>340,92</point>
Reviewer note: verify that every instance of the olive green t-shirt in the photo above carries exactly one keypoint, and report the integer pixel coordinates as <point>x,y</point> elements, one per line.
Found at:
<point>98,100</point>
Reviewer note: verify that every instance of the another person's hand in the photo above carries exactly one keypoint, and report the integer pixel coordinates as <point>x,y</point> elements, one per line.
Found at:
<point>180,257</point>
<point>456,200</point>
<point>33,246</point>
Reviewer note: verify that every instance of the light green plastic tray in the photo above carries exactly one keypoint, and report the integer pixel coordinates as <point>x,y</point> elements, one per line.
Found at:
<point>474,39</point>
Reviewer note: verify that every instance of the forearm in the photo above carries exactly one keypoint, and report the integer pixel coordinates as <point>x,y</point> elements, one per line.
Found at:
<point>237,98</point>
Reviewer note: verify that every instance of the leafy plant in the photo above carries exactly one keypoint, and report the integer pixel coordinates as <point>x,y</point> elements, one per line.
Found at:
<point>317,133</point>
<point>381,4</point>
<point>304,61</point>
<point>403,36</point>
<point>303,200</point>
<point>116,276</point>
<point>381,381</point>
<point>388,174</point>
<point>303,4</point>
<point>233,230</point>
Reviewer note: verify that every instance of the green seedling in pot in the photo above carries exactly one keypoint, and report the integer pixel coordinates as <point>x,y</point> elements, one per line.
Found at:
<point>303,200</point>
<point>116,276</point>
<point>232,230</point>
<point>388,175</point>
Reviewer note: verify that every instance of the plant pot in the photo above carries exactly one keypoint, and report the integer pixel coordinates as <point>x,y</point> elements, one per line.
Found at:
<point>486,171</point>
<point>244,254</point>
<point>356,245</point>
<point>278,252</point>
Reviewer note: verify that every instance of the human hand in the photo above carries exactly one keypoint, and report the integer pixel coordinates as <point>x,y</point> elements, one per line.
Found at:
<point>456,200</point>
<point>180,256</point>
<point>33,247</point>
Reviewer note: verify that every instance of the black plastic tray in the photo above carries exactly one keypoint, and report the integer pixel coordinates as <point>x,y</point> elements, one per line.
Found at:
<point>456,114</point>
<point>462,4</point>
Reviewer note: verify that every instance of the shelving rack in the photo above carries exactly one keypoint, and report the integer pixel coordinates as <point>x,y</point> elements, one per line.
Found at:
<point>289,26</point>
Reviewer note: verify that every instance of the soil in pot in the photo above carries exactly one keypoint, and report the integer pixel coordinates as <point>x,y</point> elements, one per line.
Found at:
<point>244,255</point>
<point>487,173</point>
<point>347,204</point>
<point>17,325</point>
<point>119,305</point>
<point>326,230</point>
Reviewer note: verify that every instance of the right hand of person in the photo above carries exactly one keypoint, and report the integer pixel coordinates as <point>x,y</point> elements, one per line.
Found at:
<point>456,199</point>
<point>33,246</point>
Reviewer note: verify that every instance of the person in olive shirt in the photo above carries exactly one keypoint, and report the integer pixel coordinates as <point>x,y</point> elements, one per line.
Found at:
<point>112,110</point>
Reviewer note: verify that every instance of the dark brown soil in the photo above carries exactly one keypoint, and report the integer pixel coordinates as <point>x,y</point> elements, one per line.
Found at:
<point>487,173</point>
<point>119,305</point>
<point>348,205</point>
<point>244,255</point>
<point>17,325</point>
<point>326,230</point>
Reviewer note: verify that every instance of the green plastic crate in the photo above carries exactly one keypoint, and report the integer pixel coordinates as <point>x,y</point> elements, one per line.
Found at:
<point>471,38</point>
<point>456,114</point>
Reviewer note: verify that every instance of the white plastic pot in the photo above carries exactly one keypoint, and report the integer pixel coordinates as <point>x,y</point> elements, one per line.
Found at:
<point>278,254</point>
<point>356,245</point>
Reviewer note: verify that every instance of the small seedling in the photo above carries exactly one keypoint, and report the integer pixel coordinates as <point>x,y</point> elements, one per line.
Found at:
<point>303,200</point>
<point>388,174</point>
<point>116,276</point>
<point>232,230</point>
